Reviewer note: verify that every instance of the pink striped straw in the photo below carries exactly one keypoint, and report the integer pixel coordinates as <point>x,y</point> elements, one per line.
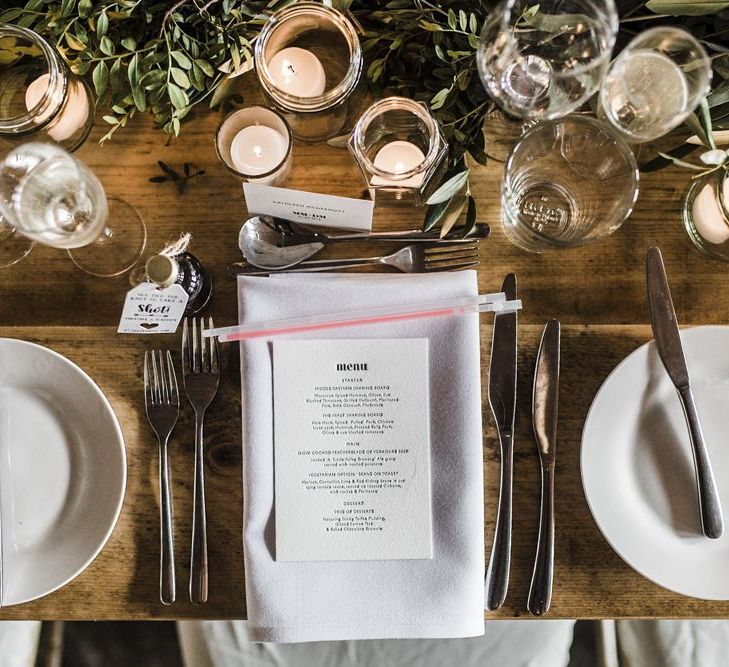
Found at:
<point>380,315</point>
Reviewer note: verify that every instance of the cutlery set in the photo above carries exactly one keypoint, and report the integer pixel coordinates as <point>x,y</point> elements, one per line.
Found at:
<point>502,400</point>
<point>272,245</point>
<point>201,373</point>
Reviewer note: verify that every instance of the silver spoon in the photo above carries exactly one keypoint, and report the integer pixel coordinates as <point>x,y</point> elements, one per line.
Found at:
<point>269,243</point>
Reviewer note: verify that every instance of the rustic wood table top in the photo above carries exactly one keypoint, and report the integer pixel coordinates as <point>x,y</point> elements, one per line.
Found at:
<point>598,293</point>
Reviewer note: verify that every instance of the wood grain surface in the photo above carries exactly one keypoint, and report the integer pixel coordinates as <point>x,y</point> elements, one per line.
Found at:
<point>598,293</point>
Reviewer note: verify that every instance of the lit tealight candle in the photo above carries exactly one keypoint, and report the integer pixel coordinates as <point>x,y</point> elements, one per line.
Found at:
<point>297,72</point>
<point>397,157</point>
<point>72,116</point>
<point>257,149</point>
<point>708,215</point>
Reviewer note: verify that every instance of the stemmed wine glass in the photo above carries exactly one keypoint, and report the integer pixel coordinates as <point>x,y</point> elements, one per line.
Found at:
<point>49,196</point>
<point>654,84</point>
<point>543,60</point>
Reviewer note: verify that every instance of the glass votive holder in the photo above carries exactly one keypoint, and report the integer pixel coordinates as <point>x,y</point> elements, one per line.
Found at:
<point>705,214</point>
<point>400,150</point>
<point>254,144</point>
<point>308,61</point>
<point>40,99</point>
<point>566,183</point>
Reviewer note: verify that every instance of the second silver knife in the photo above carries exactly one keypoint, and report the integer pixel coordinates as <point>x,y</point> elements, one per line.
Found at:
<point>668,342</point>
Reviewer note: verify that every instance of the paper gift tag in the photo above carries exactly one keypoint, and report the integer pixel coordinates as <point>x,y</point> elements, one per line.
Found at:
<point>152,310</point>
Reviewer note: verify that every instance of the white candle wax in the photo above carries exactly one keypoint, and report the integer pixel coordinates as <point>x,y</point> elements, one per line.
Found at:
<point>73,114</point>
<point>397,157</point>
<point>258,149</point>
<point>708,215</point>
<point>298,72</point>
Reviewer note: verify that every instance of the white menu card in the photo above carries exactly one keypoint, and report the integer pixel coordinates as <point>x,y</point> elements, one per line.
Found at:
<point>352,449</point>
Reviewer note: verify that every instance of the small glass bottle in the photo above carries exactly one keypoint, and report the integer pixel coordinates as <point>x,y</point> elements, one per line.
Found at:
<point>185,270</point>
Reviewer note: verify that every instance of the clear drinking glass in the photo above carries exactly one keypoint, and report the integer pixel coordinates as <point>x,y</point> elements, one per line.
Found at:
<point>654,84</point>
<point>566,183</point>
<point>543,60</point>
<point>49,196</point>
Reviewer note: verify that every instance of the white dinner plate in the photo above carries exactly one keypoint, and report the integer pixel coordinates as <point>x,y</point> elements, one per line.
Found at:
<point>62,470</point>
<point>638,471</point>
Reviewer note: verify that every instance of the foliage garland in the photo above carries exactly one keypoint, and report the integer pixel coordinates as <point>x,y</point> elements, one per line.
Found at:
<point>166,58</point>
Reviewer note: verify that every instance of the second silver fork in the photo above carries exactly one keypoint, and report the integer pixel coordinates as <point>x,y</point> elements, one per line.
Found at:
<point>162,402</point>
<point>201,373</point>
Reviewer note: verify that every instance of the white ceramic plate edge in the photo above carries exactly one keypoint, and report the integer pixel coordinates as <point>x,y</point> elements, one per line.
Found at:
<point>120,439</point>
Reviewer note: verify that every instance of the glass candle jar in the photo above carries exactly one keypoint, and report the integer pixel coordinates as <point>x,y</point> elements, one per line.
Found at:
<point>309,61</point>
<point>255,144</point>
<point>705,214</point>
<point>39,97</point>
<point>400,150</point>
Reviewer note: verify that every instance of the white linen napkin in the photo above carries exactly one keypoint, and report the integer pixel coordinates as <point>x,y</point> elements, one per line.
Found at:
<point>315,601</point>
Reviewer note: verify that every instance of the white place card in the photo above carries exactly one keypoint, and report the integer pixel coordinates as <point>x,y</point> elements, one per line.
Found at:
<point>352,449</point>
<point>309,208</point>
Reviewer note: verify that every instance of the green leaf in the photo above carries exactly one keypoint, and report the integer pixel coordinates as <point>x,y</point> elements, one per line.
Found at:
<point>153,78</point>
<point>181,59</point>
<point>106,46</point>
<point>434,213</point>
<point>181,79</point>
<point>450,188</point>
<point>205,66</point>
<point>85,7</point>
<point>473,23</point>
<point>452,24</point>
<point>67,7</point>
<point>439,98</point>
<point>102,24</point>
<point>100,77</point>
<point>463,20</point>
<point>129,43</point>
<point>686,8</point>
<point>112,120</point>
<point>430,27</point>
<point>705,119</point>
<point>470,216</point>
<point>178,97</point>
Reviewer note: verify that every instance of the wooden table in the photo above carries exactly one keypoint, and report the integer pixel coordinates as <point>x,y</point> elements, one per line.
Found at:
<point>597,292</point>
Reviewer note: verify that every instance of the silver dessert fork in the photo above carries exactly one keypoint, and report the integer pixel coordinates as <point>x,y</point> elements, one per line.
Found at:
<point>162,401</point>
<point>201,373</point>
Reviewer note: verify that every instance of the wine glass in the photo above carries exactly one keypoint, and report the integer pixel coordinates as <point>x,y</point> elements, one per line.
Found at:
<point>654,84</point>
<point>49,196</point>
<point>543,60</point>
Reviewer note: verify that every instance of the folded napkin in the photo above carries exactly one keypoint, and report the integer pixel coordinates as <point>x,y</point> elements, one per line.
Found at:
<point>315,601</point>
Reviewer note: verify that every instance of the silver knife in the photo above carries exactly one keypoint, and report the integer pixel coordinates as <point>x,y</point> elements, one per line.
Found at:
<point>502,399</point>
<point>544,422</point>
<point>668,342</point>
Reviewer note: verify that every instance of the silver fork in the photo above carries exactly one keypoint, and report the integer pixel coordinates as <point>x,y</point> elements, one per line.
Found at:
<point>410,259</point>
<point>200,371</point>
<point>162,401</point>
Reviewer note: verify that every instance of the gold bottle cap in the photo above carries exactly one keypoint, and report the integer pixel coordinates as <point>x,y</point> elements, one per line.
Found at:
<point>162,269</point>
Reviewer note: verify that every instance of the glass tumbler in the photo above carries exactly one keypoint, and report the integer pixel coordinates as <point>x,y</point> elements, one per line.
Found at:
<point>654,84</point>
<point>308,61</point>
<point>566,183</point>
<point>544,60</point>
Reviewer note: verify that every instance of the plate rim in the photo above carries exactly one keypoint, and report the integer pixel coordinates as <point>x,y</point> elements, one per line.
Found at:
<point>615,370</point>
<point>124,467</point>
